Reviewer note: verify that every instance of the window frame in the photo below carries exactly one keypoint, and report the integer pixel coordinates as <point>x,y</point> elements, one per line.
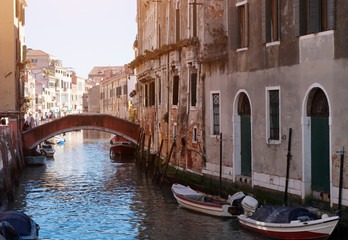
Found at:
<point>268,115</point>
<point>212,133</point>
<point>271,15</point>
<point>175,94</point>
<point>193,88</point>
<point>242,25</point>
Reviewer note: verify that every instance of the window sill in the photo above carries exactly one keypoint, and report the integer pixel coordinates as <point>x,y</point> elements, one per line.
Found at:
<point>319,34</point>
<point>275,43</point>
<point>242,49</point>
<point>273,142</point>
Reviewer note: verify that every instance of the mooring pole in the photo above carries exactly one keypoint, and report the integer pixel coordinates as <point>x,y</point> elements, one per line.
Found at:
<point>341,184</point>
<point>220,182</point>
<point>287,169</point>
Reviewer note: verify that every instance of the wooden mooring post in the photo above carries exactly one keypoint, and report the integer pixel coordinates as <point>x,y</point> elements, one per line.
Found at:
<point>138,144</point>
<point>158,156</point>
<point>21,148</point>
<point>7,172</point>
<point>142,148</point>
<point>167,162</point>
<point>147,163</point>
<point>19,156</point>
<point>13,157</point>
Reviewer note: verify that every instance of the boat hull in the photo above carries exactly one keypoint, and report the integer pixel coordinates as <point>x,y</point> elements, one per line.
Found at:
<point>36,160</point>
<point>124,149</point>
<point>313,229</point>
<point>204,203</point>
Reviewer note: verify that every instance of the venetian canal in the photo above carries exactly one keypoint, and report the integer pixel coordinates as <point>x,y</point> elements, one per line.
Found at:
<point>83,194</point>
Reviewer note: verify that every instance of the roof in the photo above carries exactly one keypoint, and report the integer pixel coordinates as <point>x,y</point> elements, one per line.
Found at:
<point>100,70</point>
<point>36,53</point>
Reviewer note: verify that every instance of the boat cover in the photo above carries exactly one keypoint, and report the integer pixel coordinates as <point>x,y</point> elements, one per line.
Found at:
<point>19,221</point>
<point>187,192</point>
<point>276,214</point>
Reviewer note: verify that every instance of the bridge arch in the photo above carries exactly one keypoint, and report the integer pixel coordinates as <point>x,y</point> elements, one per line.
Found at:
<point>73,122</point>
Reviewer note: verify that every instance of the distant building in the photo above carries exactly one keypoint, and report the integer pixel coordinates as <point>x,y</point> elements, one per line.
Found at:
<point>114,92</point>
<point>98,73</point>
<point>94,99</point>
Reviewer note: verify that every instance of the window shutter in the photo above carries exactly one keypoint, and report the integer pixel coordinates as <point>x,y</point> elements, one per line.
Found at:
<point>314,16</point>
<point>263,21</point>
<point>268,16</point>
<point>233,20</point>
<point>297,17</point>
<point>246,9</point>
<point>177,25</point>
<point>331,14</point>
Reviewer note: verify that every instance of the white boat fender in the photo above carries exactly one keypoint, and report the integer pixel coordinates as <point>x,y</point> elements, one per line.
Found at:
<point>324,216</point>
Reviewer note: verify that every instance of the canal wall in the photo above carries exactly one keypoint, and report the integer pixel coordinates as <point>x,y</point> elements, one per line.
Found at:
<point>11,164</point>
<point>165,172</point>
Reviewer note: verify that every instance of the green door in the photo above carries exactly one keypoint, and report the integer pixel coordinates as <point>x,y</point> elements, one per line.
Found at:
<point>320,154</point>
<point>245,146</point>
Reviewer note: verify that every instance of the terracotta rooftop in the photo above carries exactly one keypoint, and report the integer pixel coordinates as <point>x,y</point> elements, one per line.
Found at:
<point>100,70</point>
<point>36,53</point>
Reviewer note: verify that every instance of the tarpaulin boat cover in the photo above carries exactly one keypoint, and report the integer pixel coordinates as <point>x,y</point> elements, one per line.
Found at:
<point>187,192</point>
<point>276,214</point>
<point>19,221</point>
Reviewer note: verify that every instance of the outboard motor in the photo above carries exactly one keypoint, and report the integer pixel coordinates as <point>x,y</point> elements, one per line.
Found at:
<point>250,205</point>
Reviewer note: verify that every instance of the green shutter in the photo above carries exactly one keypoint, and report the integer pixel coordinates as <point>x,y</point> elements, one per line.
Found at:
<point>331,14</point>
<point>233,23</point>
<point>314,16</point>
<point>246,9</point>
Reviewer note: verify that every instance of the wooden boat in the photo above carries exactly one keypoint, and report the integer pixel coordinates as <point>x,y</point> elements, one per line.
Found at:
<point>289,223</point>
<point>208,204</point>
<point>122,148</point>
<point>47,150</point>
<point>36,160</point>
<point>17,225</point>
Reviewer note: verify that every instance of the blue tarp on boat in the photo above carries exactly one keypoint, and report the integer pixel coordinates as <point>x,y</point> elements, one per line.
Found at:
<point>276,214</point>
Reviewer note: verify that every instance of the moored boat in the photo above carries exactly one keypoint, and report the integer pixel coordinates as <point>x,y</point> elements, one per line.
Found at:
<point>36,160</point>
<point>47,150</point>
<point>123,149</point>
<point>208,204</point>
<point>17,225</point>
<point>289,223</point>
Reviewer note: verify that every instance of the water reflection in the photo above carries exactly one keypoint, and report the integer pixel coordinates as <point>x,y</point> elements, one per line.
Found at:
<point>83,194</point>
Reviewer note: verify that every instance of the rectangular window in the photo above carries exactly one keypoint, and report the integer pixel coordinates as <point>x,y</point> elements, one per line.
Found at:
<point>315,16</point>
<point>273,113</point>
<point>174,130</point>
<point>193,18</point>
<point>243,25</point>
<point>152,94</point>
<point>270,20</point>
<point>159,92</point>
<point>194,134</point>
<point>146,96</point>
<point>193,89</point>
<point>215,113</point>
<point>175,90</point>
<point>177,24</point>
<point>125,90</point>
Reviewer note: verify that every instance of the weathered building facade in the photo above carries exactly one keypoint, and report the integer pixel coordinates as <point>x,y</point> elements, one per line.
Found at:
<point>285,68</point>
<point>114,92</point>
<point>12,60</point>
<point>169,83</point>
<point>262,68</point>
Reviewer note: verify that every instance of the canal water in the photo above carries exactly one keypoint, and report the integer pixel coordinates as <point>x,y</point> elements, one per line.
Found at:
<point>83,194</point>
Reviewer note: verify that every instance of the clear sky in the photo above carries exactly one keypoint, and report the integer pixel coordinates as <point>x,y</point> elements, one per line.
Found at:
<point>83,33</point>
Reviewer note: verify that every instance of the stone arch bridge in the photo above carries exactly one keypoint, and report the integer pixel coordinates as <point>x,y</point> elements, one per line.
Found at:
<point>73,122</point>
